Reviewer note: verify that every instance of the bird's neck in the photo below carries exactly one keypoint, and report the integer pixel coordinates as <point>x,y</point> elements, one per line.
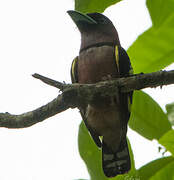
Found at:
<point>97,39</point>
<point>99,44</point>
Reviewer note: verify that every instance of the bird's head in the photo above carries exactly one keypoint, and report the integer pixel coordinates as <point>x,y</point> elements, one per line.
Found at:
<point>95,28</point>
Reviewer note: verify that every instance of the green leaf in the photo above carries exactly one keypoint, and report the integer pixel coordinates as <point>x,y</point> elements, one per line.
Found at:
<point>167,140</point>
<point>147,117</point>
<point>91,155</point>
<point>160,10</point>
<point>165,173</point>
<point>170,112</point>
<point>153,50</point>
<point>87,6</point>
<point>151,168</point>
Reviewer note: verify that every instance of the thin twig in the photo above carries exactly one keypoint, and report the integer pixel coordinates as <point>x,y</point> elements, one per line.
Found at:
<point>50,82</point>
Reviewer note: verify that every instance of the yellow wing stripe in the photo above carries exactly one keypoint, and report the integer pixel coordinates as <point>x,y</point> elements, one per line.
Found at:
<point>129,104</point>
<point>117,57</point>
<point>73,67</point>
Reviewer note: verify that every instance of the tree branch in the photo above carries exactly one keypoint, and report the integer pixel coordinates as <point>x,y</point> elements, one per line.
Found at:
<point>73,95</point>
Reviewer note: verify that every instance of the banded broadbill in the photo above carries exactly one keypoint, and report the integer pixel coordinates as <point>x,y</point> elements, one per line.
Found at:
<point>101,57</point>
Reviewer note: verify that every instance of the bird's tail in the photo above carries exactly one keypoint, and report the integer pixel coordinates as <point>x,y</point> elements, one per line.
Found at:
<point>118,162</point>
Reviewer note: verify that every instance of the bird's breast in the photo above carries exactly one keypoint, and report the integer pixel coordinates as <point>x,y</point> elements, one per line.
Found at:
<point>96,63</point>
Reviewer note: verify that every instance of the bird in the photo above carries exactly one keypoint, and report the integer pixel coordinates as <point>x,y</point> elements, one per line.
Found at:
<point>101,57</point>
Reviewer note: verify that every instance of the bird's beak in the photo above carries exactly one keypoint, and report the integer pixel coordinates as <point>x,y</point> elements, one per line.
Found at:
<point>79,18</point>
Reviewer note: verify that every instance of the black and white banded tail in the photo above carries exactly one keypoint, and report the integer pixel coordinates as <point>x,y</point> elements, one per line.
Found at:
<point>115,163</point>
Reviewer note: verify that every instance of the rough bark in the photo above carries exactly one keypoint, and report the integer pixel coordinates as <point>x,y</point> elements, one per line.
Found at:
<point>73,95</point>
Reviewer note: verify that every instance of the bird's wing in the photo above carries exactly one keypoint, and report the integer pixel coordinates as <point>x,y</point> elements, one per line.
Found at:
<point>74,79</point>
<point>125,70</point>
<point>74,68</point>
